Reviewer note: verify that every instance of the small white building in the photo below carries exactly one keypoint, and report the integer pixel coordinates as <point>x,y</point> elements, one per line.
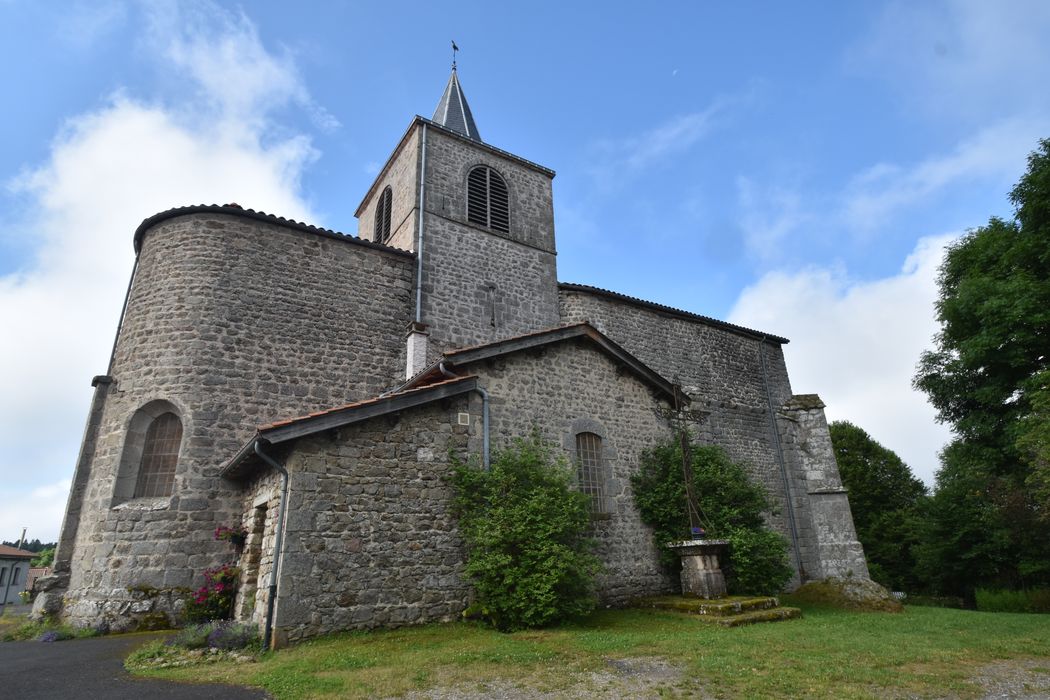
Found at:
<point>14,570</point>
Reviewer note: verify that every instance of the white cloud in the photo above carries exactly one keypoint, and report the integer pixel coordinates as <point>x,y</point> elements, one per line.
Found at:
<point>996,152</point>
<point>963,59</point>
<point>769,215</point>
<point>109,169</point>
<point>856,343</point>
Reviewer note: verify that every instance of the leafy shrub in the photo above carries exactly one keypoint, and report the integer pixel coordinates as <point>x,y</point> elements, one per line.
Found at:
<point>214,600</point>
<point>233,635</point>
<point>1031,601</point>
<point>527,530</point>
<point>216,635</point>
<point>731,503</point>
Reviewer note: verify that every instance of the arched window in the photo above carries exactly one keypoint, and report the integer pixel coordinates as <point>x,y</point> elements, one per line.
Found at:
<point>150,457</point>
<point>487,200</point>
<point>382,233</point>
<point>160,454</point>
<point>591,470</point>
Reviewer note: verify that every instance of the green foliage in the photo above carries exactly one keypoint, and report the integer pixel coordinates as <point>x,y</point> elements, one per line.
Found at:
<point>887,502</point>
<point>1032,601</point>
<point>987,377</point>
<point>530,554</point>
<point>44,557</point>
<point>731,503</point>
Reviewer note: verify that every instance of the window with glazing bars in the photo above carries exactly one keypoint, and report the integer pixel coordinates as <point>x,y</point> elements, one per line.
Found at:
<point>488,203</point>
<point>160,454</point>
<point>382,233</point>
<point>591,472</point>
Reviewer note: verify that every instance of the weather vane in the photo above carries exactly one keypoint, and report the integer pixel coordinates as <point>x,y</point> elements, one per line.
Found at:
<point>454,50</point>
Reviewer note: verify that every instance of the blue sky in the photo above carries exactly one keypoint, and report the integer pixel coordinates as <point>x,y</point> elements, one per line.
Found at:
<point>792,167</point>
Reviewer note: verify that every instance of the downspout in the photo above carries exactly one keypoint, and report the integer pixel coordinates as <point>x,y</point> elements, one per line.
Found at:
<point>278,542</point>
<point>484,416</point>
<point>419,241</point>
<point>779,452</point>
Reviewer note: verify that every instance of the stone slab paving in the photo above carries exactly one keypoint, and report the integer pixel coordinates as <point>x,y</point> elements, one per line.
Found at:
<point>94,668</point>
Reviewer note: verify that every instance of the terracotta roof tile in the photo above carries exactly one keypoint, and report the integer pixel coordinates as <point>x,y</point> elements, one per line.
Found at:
<point>9,552</point>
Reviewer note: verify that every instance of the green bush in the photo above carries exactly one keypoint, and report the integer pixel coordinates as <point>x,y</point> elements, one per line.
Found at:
<point>1031,601</point>
<point>527,529</point>
<point>732,506</point>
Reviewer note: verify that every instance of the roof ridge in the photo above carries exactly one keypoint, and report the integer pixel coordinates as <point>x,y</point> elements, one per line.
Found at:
<point>237,210</point>
<point>743,330</point>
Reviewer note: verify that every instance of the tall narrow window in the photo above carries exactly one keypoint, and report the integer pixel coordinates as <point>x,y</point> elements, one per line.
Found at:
<point>382,234</point>
<point>487,201</point>
<point>160,454</point>
<point>591,471</point>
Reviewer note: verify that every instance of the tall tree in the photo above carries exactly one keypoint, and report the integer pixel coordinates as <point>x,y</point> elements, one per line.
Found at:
<point>886,500</point>
<point>987,378</point>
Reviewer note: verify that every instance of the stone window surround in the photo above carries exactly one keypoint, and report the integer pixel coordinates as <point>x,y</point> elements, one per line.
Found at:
<point>384,215</point>
<point>511,198</point>
<point>611,485</point>
<point>131,455</point>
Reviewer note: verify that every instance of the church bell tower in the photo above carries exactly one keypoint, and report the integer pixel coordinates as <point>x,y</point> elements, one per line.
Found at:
<point>481,222</point>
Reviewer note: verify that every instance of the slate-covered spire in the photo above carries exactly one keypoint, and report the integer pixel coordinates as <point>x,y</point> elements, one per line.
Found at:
<point>453,112</point>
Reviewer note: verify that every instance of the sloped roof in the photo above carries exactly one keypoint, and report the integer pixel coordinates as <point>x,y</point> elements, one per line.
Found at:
<point>8,552</point>
<point>291,429</point>
<point>238,210</point>
<point>688,315</point>
<point>453,112</point>
<point>464,356</point>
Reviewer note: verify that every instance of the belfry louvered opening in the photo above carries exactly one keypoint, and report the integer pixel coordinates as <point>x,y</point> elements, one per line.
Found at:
<point>383,216</point>
<point>488,203</point>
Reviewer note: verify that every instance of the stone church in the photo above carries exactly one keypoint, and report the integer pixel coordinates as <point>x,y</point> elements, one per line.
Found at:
<point>310,386</point>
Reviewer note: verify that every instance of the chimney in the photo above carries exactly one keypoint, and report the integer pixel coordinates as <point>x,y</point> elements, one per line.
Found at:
<point>417,349</point>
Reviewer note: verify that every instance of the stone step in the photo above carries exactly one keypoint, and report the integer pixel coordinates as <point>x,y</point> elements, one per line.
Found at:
<point>720,607</point>
<point>770,615</point>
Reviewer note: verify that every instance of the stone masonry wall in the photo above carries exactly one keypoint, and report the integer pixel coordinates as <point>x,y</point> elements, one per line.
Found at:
<point>722,372</point>
<point>568,388</point>
<point>480,285</point>
<point>402,176</point>
<point>370,540</point>
<point>233,322</point>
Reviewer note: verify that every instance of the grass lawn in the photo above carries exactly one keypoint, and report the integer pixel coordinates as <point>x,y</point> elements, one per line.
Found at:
<point>827,653</point>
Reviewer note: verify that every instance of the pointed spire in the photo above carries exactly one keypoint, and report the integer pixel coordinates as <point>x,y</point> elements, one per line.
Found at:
<point>453,112</point>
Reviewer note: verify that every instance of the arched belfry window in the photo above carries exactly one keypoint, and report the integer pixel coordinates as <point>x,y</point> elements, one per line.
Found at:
<point>487,201</point>
<point>160,454</point>
<point>382,233</point>
<point>590,469</point>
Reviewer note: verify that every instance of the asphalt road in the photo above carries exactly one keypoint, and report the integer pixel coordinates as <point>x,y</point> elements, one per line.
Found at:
<point>93,668</point>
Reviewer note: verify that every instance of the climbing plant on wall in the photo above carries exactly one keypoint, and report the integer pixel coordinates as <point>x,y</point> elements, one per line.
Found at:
<point>732,506</point>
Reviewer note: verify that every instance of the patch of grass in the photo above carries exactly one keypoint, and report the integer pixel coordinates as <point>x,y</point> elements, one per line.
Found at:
<point>14,628</point>
<point>1032,601</point>
<point>827,653</point>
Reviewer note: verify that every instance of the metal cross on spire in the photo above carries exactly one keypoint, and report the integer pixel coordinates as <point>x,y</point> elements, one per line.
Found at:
<point>454,50</point>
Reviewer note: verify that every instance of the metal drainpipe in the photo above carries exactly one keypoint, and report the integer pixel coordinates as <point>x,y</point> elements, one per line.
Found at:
<point>419,243</point>
<point>278,541</point>
<point>780,461</point>
<point>484,415</point>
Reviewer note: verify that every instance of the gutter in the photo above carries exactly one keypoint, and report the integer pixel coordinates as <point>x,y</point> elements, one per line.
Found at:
<point>422,213</point>
<point>278,542</point>
<point>484,415</point>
